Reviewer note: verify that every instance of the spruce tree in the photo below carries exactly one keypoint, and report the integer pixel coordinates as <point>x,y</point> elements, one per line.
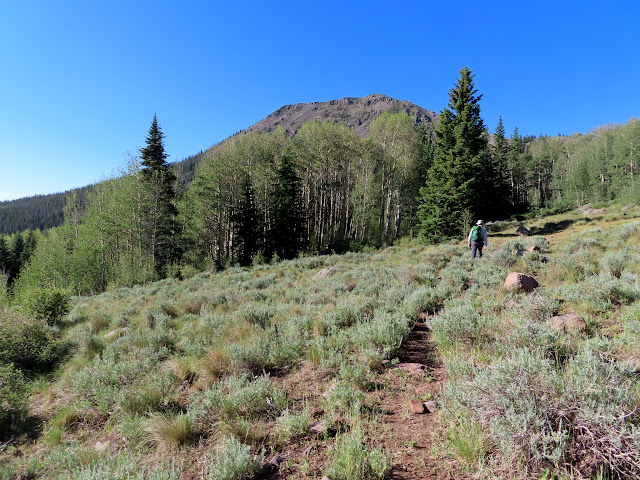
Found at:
<point>248,227</point>
<point>161,211</point>
<point>4,256</point>
<point>498,203</point>
<point>457,177</point>
<point>16,256</point>
<point>288,232</point>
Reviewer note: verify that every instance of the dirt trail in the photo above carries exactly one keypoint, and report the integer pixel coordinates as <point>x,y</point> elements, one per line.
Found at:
<point>410,436</point>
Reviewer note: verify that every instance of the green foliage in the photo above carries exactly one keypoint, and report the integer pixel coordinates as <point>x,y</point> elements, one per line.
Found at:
<point>548,419</point>
<point>13,397</point>
<point>459,175</point>
<point>47,303</point>
<point>350,459</point>
<point>26,343</point>
<point>234,461</point>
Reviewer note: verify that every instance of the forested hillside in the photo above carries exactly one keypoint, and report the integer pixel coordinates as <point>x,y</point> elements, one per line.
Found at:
<point>39,212</point>
<point>260,197</point>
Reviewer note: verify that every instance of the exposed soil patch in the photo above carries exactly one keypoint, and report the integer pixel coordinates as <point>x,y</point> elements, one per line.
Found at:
<point>408,436</point>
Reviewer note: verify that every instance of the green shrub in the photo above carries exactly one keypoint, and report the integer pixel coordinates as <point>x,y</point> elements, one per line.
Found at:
<point>235,462</point>
<point>28,344</point>
<point>294,426</point>
<point>350,459</point>
<point>239,397</point>
<point>13,397</point>
<point>576,421</point>
<point>459,322</point>
<point>426,300</point>
<point>126,467</point>
<point>615,262</point>
<point>46,303</point>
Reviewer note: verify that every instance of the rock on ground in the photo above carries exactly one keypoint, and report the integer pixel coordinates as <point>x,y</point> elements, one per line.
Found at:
<point>520,282</point>
<point>568,322</point>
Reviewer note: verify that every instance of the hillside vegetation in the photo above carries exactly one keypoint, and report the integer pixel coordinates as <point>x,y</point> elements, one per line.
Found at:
<point>287,370</point>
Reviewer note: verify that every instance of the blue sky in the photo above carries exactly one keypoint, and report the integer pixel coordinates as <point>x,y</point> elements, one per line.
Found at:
<point>80,81</point>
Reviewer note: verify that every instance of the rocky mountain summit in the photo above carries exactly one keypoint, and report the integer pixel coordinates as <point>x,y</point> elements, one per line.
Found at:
<point>354,112</point>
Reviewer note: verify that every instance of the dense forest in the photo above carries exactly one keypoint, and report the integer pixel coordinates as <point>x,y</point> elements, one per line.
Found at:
<point>260,197</point>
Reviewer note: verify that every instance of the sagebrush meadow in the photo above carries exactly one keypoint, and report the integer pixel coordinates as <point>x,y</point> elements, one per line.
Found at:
<point>202,375</point>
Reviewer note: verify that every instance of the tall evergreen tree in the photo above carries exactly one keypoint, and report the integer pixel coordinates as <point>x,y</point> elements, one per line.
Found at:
<point>161,214</point>
<point>457,177</point>
<point>248,227</point>
<point>4,256</point>
<point>498,199</point>
<point>16,255</point>
<point>288,233</point>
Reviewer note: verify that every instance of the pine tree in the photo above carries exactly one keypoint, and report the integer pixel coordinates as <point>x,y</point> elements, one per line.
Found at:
<point>4,256</point>
<point>160,214</point>
<point>248,228</point>
<point>457,177</point>
<point>15,255</point>
<point>499,204</point>
<point>288,233</point>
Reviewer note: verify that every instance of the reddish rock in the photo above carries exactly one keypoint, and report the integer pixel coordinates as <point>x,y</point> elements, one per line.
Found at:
<point>520,282</point>
<point>416,407</point>
<point>533,248</point>
<point>412,368</point>
<point>568,322</point>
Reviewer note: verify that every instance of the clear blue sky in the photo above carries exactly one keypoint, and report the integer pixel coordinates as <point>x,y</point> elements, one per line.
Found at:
<point>80,81</point>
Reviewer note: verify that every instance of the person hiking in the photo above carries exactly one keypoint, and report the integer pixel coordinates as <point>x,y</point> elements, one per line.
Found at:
<point>477,240</point>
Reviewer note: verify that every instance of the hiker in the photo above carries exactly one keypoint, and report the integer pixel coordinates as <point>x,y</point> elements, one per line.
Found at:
<point>477,240</point>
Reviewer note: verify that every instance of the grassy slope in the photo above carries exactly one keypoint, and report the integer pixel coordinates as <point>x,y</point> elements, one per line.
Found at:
<point>160,378</point>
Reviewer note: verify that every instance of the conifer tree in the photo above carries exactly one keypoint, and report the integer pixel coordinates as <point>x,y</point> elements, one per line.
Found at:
<point>4,256</point>
<point>16,256</point>
<point>288,233</point>
<point>498,203</point>
<point>161,212</point>
<point>248,228</point>
<point>455,180</point>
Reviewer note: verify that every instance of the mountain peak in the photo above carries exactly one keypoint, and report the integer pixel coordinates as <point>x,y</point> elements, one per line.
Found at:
<point>354,112</point>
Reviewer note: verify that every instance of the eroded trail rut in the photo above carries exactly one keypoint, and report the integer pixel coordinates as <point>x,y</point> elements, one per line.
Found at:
<point>409,436</point>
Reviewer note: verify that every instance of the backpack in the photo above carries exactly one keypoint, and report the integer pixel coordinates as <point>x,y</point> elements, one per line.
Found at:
<point>476,234</point>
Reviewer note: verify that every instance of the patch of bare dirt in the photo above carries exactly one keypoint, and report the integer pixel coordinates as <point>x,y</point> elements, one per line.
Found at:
<point>408,436</point>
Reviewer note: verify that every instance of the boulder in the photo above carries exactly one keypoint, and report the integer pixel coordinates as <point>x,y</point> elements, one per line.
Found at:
<point>592,211</point>
<point>533,248</point>
<point>568,322</point>
<point>519,253</point>
<point>524,231</point>
<point>416,407</point>
<point>584,207</point>
<point>324,273</point>
<point>430,406</point>
<point>520,282</point>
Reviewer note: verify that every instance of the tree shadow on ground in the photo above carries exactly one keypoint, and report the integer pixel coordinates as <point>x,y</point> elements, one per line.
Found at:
<point>554,227</point>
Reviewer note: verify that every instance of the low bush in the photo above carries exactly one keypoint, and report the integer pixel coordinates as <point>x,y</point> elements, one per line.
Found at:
<point>350,459</point>
<point>584,421</point>
<point>50,303</point>
<point>234,461</point>
<point>13,398</point>
<point>28,344</point>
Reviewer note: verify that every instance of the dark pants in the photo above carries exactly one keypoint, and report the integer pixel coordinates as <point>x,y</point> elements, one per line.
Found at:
<point>476,249</point>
